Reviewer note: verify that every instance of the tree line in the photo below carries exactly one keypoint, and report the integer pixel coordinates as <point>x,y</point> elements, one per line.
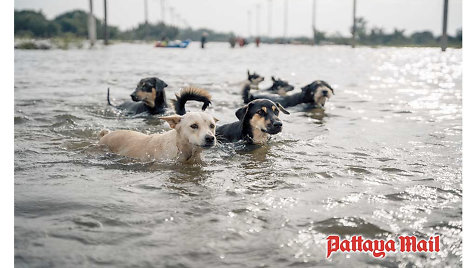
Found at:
<point>33,24</point>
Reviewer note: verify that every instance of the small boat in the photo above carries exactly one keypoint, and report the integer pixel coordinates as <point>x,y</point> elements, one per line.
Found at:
<point>173,44</point>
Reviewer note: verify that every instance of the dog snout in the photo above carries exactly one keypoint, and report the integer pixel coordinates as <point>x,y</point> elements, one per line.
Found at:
<point>275,127</point>
<point>209,139</point>
<point>134,97</point>
<point>277,124</point>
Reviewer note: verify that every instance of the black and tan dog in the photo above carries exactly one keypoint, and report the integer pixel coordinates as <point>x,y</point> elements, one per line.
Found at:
<point>253,81</point>
<point>149,96</point>
<point>316,93</point>
<point>257,120</point>
<point>279,86</point>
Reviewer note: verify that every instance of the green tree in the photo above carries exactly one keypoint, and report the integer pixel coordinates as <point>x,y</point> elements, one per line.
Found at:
<point>423,38</point>
<point>28,22</point>
<point>74,22</point>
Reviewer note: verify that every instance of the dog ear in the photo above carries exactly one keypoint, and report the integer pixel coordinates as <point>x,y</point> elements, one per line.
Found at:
<point>216,119</point>
<point>158,83</point>
<point>281,108</point>
<point>328,86</point>
<point>241,112</point>
<point>248,73</point>
<point>273,79</point>
<point>173,120</point>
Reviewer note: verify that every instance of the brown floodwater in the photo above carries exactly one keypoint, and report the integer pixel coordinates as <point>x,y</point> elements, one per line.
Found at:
<point>382,160</point>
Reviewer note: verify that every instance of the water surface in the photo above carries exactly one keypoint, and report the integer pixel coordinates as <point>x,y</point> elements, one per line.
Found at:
<point>383,159</point>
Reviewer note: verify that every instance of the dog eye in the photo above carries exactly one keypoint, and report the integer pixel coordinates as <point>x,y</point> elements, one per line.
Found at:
<point>212,126</point>
<point>194,126</point>
<point>260,112</point>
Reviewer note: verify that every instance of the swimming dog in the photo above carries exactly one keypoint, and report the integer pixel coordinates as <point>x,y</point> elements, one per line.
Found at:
<point>253,81</point>
<point>257,120</point>
<point>279,86</point>
<point>190,134</point>
<point>316,93</point>
<point>149,96</point>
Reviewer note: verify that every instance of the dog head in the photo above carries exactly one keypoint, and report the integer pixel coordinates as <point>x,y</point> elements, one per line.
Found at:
<point>317,92</point>
<point>196,128</point>
<point>149,90</point>
<point>263,115</point>
<point>280,86</point>
<point>254,78</point>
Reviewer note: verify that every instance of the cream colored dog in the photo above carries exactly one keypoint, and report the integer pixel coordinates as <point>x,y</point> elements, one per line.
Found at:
<point>191,133</point>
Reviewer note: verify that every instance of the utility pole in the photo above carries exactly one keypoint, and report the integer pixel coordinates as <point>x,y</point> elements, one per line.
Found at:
<point>258,21</point>
<point>163,11</point>
<point>105,25</point>
<point>92,28</point>
<point>249,23</point>
<point>444,28</point>
<point>313,24</point>
<point>285,20</point>
<point>146,25</point>
<point>171,12</point>
<point>145,12</point>
<point>353,44</point>
<point>269,18</point>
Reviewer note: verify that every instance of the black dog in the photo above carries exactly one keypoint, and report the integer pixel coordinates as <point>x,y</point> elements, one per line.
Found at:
<point>257,120</point>
<point>315,93</point>
<point>279,86</point>
<point>149,96</point>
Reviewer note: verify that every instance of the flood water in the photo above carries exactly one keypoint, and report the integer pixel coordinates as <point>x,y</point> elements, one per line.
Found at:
<point>382,160</point>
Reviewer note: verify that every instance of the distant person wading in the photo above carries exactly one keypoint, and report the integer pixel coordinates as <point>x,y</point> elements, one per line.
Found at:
<point>204,37</point>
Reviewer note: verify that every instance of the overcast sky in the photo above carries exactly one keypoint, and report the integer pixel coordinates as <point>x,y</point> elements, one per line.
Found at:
<point>232,15</point>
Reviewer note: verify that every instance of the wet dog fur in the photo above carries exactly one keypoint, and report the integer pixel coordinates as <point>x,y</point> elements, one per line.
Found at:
<point>315,93</point>
<point>257,120</point>
<point>149,96</point>
<point>191,93</point>
<point>252,82</point>
<point>190,134</point>
<point>279,86</point>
